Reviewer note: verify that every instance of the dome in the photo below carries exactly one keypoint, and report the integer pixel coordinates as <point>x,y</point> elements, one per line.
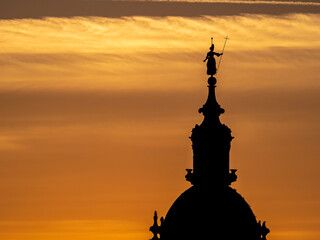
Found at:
<point>206,212</point>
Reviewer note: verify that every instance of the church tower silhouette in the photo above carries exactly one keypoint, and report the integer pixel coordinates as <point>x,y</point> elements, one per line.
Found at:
<point>210,209</point>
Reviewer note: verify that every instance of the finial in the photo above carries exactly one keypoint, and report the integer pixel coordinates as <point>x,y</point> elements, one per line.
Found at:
<point>212,81</point>
<point>155,228</point>
<point>211,40</point>
<point>263,230</point>
<point>161,221</point>
<point>155,218</point>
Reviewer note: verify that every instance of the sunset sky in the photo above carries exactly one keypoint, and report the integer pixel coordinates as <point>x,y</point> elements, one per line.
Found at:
<point>98,99</point>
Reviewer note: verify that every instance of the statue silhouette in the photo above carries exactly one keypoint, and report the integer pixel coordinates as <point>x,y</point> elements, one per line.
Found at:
<point>211,64</point>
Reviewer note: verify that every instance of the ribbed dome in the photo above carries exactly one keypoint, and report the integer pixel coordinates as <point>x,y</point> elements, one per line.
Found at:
<point>204,211</point>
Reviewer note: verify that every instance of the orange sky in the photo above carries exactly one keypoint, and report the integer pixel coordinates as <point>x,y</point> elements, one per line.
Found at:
<point>96,115</point>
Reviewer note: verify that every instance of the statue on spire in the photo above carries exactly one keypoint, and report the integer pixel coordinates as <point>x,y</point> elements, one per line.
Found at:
<point>211,64</point>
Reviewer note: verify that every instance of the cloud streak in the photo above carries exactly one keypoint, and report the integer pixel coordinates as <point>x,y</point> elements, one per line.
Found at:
<point>144,34</point>
<point>91,53</point>
<point>301,3</point>
<point>11,9</point>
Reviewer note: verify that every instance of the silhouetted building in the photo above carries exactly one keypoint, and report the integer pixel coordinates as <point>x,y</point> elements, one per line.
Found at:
<point>210,209</point>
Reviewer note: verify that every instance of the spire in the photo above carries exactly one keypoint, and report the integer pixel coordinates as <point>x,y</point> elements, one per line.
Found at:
<point>211,145</point>
<point>211,109</point>
<point>155,228</point>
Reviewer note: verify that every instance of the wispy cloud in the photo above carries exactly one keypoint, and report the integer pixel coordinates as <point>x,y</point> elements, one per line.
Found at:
<point>98,52</point>
<point>301,3</point>
<point>144,34</point>
<point>12,9</point>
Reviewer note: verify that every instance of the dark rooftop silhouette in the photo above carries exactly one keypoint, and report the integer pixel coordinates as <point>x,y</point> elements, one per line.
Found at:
<point>210,209</point>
